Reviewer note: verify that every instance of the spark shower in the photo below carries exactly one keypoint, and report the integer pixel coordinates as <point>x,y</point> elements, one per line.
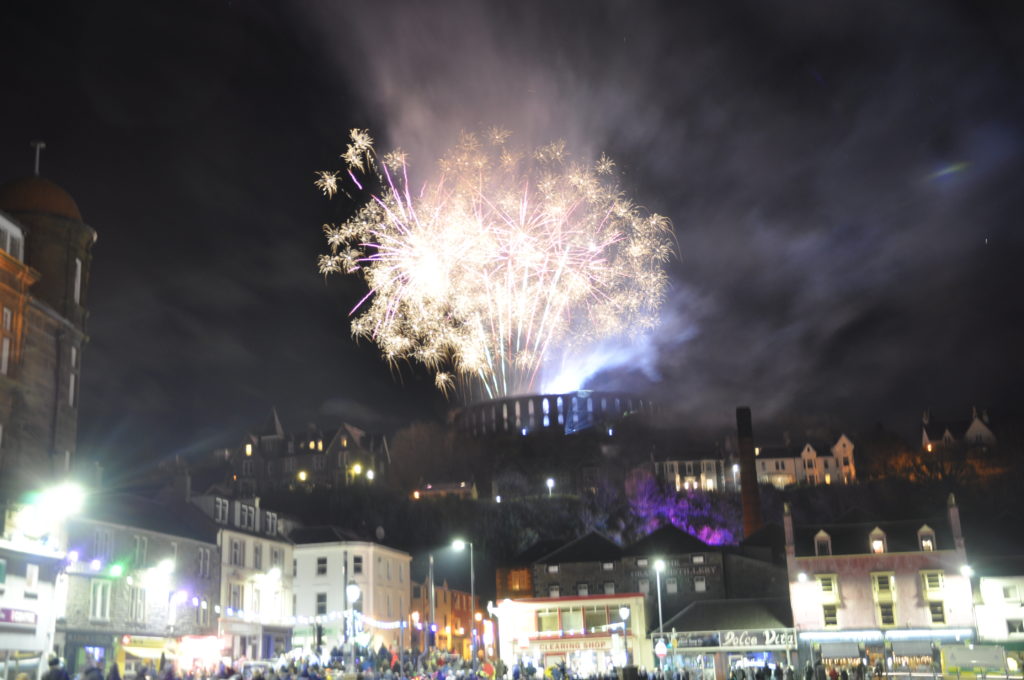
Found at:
<point>506,263</point>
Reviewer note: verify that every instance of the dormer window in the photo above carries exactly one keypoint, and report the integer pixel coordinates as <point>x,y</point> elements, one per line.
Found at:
<point>822,544</point>
<point>926,538</point>
<point>877,541</point>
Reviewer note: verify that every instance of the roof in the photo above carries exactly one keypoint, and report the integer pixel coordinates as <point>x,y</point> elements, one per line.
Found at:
<point>38,195</point>
<point>853,539</point>
<point>667,540</point>
<point>768,536</point>
<point>175,519</point>
<point>733,614</point>
<point>322,534</point>
<point>936,428</point>
<point>541,548</point>
<point>592,547</point>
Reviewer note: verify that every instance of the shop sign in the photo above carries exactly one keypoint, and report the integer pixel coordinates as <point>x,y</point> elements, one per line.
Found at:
<point>577,645</point>
<point>18,617</point>
<point>767,637</point>
<point>696,640</point>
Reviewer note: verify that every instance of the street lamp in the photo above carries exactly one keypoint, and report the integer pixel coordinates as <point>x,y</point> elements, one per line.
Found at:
<point>551,485</point>
<point>659,566</point>
<point>352,592</point>
<point>459,544</point>
<point>735,471</point>
<point>624,615</point>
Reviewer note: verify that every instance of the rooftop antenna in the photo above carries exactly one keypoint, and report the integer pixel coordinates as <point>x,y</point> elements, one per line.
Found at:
<point>39,146</point>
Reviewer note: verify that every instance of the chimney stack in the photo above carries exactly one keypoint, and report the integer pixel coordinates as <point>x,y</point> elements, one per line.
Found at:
<point>748,473</point>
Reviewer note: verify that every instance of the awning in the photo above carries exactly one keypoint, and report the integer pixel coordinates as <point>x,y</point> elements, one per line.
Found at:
<point>912,647</point>
<point>839,650</point>
<point>153,653</point>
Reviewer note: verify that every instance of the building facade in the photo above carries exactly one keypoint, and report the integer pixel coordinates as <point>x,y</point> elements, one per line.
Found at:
<point>327,562</point>
<point>271,458</point>
<point>813,464</point>
<point>141,584</point>
<point>891,592</point>
<point>452,612</point>
<point>591,635</point>
<point>45,260</point>
<point>256,573</point>
<point>33,586</point>
<point>999,608</point>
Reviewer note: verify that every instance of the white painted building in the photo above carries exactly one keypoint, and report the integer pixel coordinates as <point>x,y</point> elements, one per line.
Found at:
<point>592,634</point>
<point>999,606</point>
<point>326,560</point>
<point>33,588</point>
<point>684,475</point>
<point>814,464</point>
<point>256,615</point>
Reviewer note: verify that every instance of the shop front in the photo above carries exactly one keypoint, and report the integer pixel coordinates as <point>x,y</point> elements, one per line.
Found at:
<point>134,653</point>
<point>83,648</point>
<point>589,635</point>
<point>713,655</point>
<point>898,650</point>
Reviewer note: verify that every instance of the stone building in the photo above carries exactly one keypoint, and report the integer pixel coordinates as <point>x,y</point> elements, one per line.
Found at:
<point>271,458</point>
<point>45,260</point>
<point>143,580</point>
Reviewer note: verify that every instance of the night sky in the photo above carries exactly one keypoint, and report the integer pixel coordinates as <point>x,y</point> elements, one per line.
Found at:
<point>846,182</point>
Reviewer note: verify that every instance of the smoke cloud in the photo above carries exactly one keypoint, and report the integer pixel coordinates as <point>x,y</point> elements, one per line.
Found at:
<point>840,178</point>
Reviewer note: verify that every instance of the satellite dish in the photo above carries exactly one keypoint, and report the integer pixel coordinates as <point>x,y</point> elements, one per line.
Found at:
<point>380,533</point>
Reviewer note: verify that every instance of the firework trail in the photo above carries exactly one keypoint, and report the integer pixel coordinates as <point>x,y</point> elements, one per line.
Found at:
<point>510,259</point>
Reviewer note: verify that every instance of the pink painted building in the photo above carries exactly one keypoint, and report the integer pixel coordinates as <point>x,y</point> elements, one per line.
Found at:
<point>886,592</point>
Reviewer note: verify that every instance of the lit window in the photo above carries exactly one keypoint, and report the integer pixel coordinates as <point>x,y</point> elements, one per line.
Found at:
<point>583,589</point>
<point>642,562</point>
<point>99,600</point>
<point>876,540</point>
<point>698,559</point>
<point>932,580</point>
<point>644,586</point>
<point>609,587</point>
<point>608,566</point>
<point>700,584</point>
<point>927,543</point>
<point>248,449</point>
<point>5,355</point>
<point>671,586</point>
<point>8,319</point>
<point>552,568</point>
<point>553,591</point>
<point>822,544</point>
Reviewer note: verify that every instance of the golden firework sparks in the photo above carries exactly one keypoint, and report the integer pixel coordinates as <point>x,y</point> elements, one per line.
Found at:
<point>507,256</point>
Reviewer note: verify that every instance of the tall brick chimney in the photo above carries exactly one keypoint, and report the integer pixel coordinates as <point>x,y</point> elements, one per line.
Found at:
<point>748,473</point>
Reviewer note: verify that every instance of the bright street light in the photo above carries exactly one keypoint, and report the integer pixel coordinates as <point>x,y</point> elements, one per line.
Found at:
<point>659,566</point>
<point>369,475</point>
<point>357,469</point>
<point>551,485</point>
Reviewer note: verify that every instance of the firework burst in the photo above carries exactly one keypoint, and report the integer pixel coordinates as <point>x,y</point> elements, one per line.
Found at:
<point>510,259</point>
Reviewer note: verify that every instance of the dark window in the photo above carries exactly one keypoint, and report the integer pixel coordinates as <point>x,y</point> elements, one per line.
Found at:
<point>321,566</point>
<point>321,603</point>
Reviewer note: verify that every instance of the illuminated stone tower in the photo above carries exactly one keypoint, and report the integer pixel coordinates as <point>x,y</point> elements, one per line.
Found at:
<point>45,258</point>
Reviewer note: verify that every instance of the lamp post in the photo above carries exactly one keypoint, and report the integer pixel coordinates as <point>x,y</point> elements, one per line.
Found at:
<point>459,544</point>
<point>735,471</point>
<point>659,566</point>
<point>624,615</point>
<point>352,592</point>
<point>551,485</point>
